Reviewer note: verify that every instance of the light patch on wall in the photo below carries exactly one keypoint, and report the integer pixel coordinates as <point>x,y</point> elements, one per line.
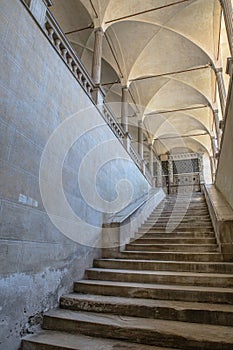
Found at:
<point>27,200</point>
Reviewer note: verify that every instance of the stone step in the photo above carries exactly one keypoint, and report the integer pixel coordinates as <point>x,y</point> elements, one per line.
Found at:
<point>161,277</point>
<point>187,336</point>
<point>162,215</point>
<point>172,247</point>
<point>178,217</point>
<point>178,212</point>
<point>160,220</point>
<point>177,256</point>
<point>156,309</point>
<point>181,209</point>
<point>156,291</point>
<point>192,235</point>
<point>167,240</point>
<point>53,340</point>
<point>171,229</point>
<point>180,227</point>
<point>155,265</point>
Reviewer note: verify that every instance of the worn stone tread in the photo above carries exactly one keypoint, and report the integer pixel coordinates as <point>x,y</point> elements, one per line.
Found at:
<point>164,273</point>
<point>146,331</point>
<point>178,305</point>
<point>53,340</point>
<point>155,265</point>
<point>155,286</point>
<point>164,277</point>
<point>156,291</point>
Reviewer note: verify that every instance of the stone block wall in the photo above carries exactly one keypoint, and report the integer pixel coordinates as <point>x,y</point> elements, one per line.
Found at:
<point>38,262</point>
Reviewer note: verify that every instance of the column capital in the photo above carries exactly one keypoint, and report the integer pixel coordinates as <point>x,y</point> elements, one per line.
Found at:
<point>99,30</point>
<point>218,70</point>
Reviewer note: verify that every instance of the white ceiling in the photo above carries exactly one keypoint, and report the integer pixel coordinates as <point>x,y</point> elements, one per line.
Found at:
<point>164,50</point>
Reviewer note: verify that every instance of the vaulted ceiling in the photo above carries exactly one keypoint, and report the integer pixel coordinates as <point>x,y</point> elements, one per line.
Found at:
<point>164,51</point>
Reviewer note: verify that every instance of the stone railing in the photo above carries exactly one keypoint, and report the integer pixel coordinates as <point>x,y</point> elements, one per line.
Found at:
<point>136,157</point>
<point>65,50</point>
<point>67,53</point>
<point>112,122</point>
<point>148,175</point>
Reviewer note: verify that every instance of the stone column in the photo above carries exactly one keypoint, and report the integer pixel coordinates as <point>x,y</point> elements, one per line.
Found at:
<point>151,160</point>
<point>215,151</point>
<point>124,109</point>
<point>213,168</point>
<point>140,139</point>
<point>97,56</point>
<point>170,171</point>
<point>143,166</point>
<point>38,9</point>
<point>201,168</point>
<point>217,128</point>
<point>159,174</point>
<point>228,18</point>
<point>127,141</point>
<point>221,89</point>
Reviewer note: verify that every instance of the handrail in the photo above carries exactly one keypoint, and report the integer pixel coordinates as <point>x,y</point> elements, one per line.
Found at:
<point>125,213</point>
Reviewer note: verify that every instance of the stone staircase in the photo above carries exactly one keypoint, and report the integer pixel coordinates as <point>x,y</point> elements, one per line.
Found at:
<point>166,290</point>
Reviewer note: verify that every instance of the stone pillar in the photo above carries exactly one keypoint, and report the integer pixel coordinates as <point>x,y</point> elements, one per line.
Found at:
<point>97,56</point>
<point>170,171</point>
<point>151,160</point>
<point>217,128</point>
<point>124,109</point>
<point>127,141</point>
<point>215,150</point>
<point>228,18</point>
<point>140,139</point>
<point>154,182</point>
<point>213,168</point>
<point>38,9</point>
<point>159,174</point>
<point>221,89</point>
<point>143,166</point>
<point>201,168</point>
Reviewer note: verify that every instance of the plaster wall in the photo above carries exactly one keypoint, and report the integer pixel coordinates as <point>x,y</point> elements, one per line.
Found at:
<point>38,262</point>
